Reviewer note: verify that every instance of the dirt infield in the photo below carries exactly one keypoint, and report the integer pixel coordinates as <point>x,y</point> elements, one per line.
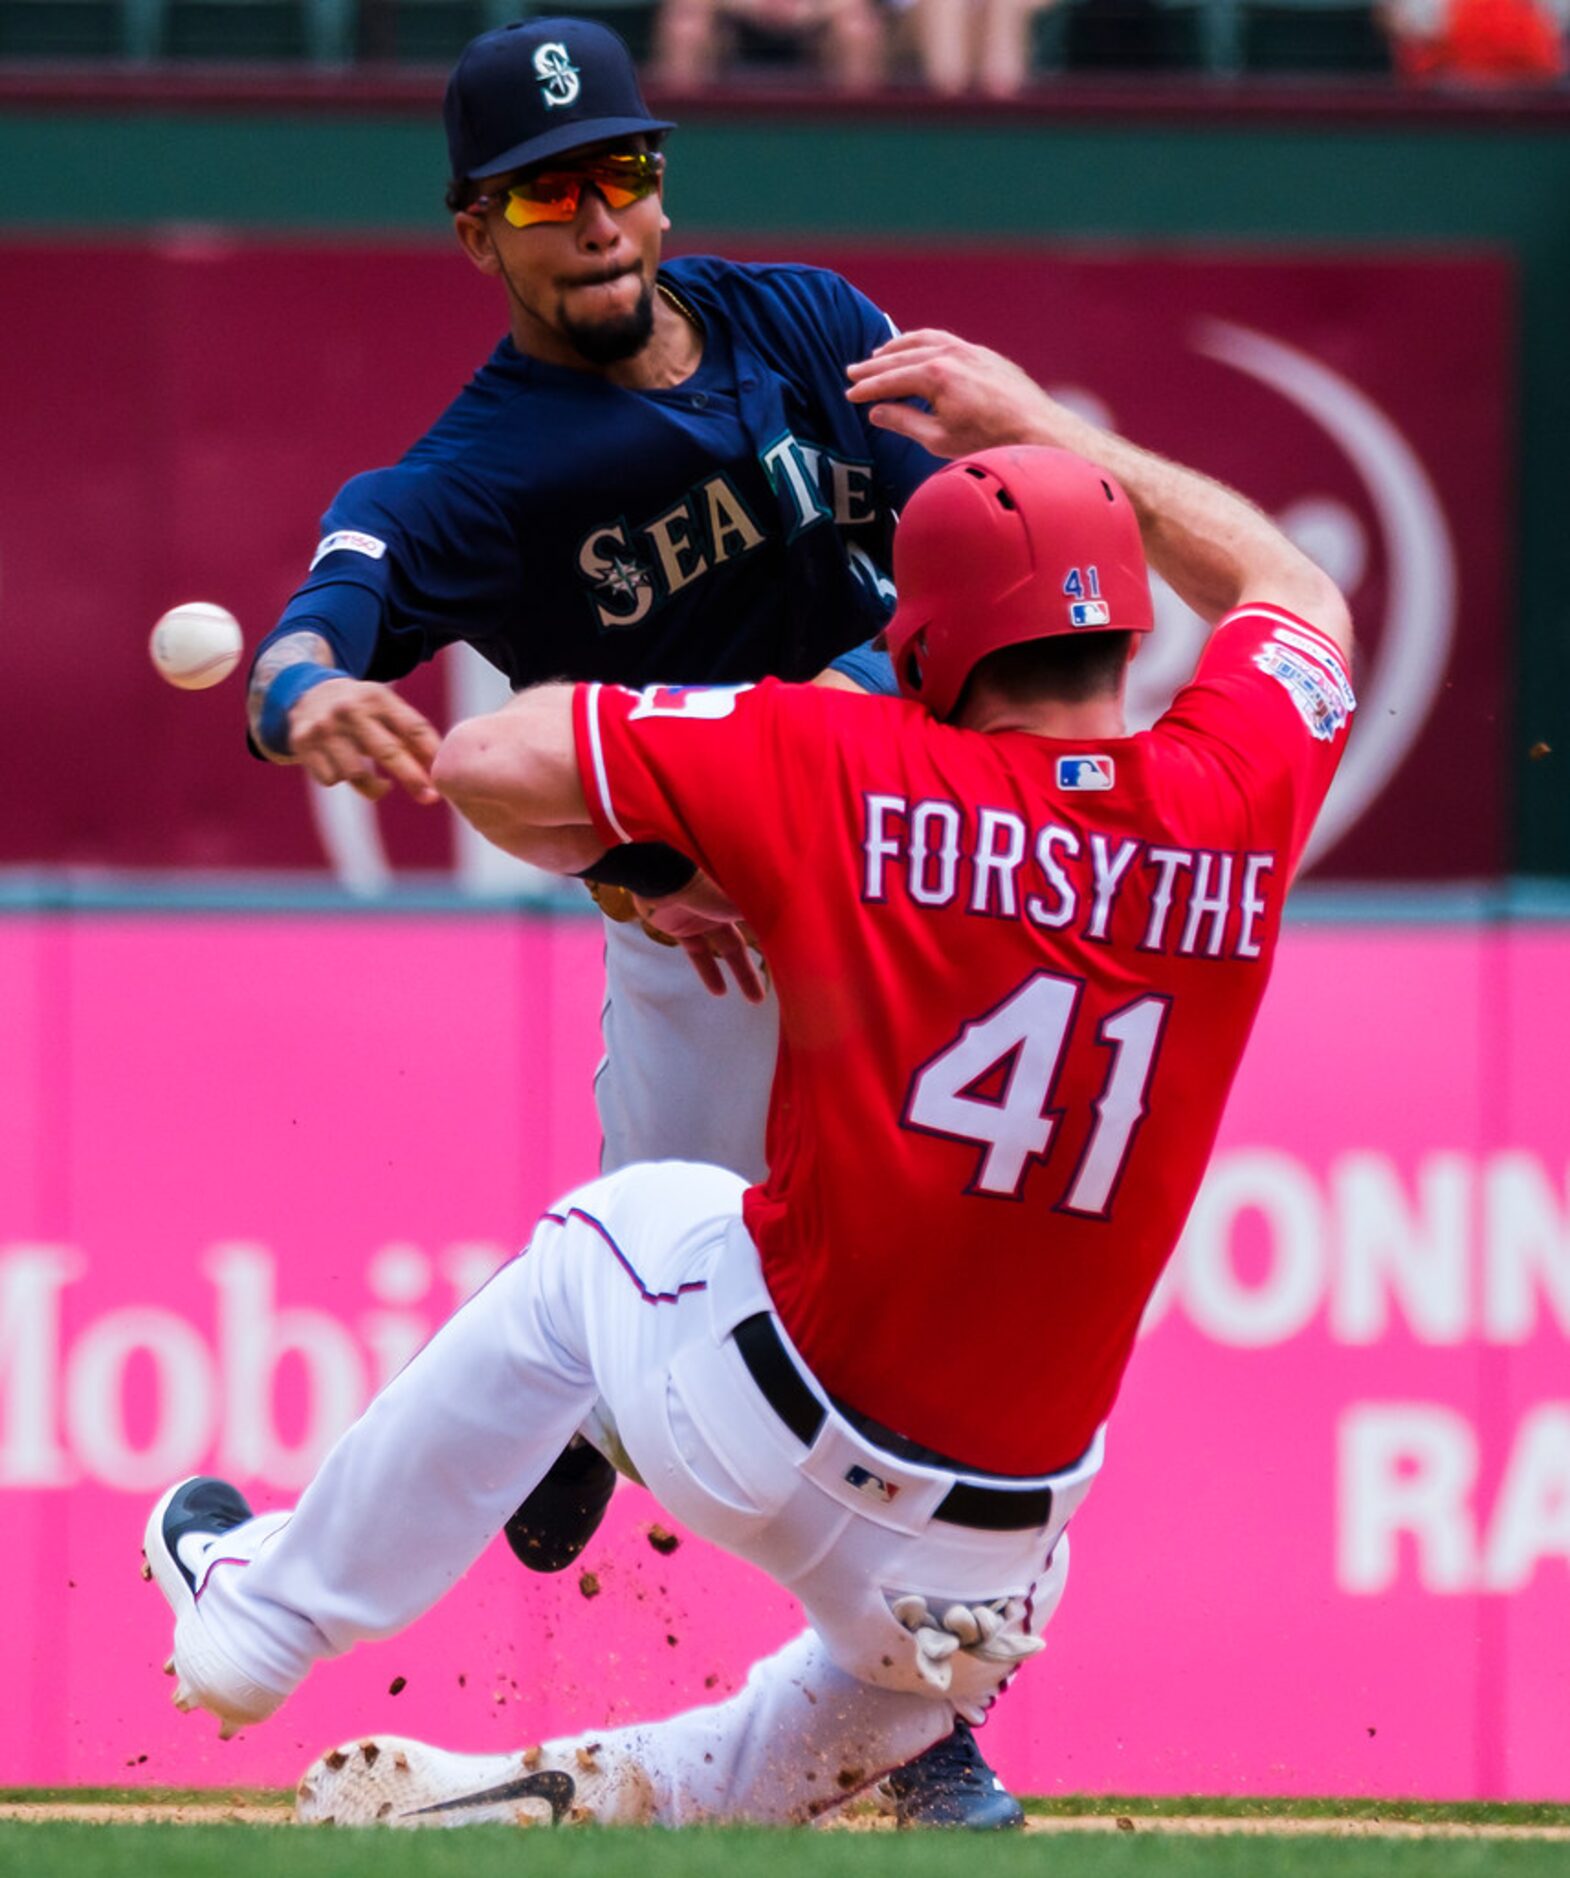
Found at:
<point>216,1812</point>
<point>222,1811</point>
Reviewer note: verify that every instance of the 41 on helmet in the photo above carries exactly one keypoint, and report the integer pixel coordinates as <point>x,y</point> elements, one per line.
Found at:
<point>1005,546</point>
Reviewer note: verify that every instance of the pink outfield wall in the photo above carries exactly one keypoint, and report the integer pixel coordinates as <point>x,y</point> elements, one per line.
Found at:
<point>249,1164</point>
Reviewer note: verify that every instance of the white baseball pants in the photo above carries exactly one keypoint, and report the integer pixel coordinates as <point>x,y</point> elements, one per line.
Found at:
<point>630,1289</point>
<point>686,1076</point>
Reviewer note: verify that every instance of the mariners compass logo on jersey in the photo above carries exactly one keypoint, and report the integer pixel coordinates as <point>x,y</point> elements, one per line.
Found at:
<point>624,583</point>
<point>558,76</point>
<point>632,569</point>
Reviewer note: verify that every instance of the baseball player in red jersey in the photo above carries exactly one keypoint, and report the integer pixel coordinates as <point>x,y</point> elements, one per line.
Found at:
<point>1018,954</point>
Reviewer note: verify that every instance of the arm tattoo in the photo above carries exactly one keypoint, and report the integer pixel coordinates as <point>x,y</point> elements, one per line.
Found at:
<point>299,648</point>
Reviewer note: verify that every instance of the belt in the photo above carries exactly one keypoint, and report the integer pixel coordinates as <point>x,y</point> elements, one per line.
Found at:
<point>780,1383</point>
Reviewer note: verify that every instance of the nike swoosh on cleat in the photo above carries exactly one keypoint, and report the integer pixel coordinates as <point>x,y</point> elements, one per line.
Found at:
<point>189,1552</point>
<point>558,1790</point>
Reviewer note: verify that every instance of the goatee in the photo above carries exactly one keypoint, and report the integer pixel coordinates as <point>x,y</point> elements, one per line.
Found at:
<point>609,341</point>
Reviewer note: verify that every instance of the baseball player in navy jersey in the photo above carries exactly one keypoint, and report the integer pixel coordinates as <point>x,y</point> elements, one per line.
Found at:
<point>656,477</point>
<point>1022,951</point>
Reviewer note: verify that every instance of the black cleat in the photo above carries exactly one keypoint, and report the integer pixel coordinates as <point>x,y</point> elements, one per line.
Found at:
<point>951,1785</point>
<point>564,1511</point>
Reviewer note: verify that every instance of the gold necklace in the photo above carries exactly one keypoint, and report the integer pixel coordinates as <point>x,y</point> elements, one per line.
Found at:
<point>673,299</point>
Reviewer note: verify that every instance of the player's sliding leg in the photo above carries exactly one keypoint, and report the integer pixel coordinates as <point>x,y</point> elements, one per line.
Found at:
<point>801,1738</point>
<point>881,1674</point>
<point>420,1485</point>
<point>950,1784</point>
<point>399,1510</point>
<point>629,1290</point>
<point>810,1730</point>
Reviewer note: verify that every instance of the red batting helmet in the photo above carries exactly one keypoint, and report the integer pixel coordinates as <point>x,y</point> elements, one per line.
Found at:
<point>1004,546</point>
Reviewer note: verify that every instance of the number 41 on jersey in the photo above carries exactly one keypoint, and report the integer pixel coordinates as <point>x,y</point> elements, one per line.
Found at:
<point>1024,1040</point>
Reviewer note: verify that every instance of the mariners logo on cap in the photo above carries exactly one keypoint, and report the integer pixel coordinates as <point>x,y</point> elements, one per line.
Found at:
<point>558,76</point>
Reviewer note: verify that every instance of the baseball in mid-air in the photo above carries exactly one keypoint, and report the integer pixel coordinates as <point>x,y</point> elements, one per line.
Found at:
<point>196,645</point>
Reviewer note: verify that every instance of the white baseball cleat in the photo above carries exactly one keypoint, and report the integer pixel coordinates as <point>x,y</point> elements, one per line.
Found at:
<point>183,1541</point>
<point>388,1781</point>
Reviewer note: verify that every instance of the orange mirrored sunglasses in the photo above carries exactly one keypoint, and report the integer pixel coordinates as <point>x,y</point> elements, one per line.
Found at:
<point>554,195</point>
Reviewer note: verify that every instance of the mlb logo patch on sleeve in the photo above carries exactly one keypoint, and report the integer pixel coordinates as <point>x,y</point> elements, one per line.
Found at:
<point>352,541</point>
<point>1086,772</point>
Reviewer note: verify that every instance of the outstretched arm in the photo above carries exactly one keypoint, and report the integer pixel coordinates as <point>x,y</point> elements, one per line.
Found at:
<point>513,775</point>
<point>338,728</point>
<point>1211,545</point>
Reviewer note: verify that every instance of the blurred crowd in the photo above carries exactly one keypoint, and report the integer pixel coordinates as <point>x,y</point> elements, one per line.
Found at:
<point>952,48</point>
<point>996,48</point>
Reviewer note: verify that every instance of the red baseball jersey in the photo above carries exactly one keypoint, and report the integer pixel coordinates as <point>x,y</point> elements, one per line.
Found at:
<point>1016,976</point>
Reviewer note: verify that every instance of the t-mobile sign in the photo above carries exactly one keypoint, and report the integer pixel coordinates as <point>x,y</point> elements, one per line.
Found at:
<point>1328,1550</point>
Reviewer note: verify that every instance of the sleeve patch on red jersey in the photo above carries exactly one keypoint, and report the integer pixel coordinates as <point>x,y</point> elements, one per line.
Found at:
<point>1312,678</point>
<point>706,702</point>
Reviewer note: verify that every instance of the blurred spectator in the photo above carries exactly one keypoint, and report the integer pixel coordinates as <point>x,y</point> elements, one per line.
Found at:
<point>1131,36</point>
<point>694,38</point>
<point>975,45</point>
<point>1478,42</point>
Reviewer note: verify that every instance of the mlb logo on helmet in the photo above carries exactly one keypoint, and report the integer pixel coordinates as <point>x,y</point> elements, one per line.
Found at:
<point>1089,613</point>
<point>1086,772</point>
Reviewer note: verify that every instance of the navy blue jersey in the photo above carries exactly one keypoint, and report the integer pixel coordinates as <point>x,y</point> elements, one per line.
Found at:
<point>733,527</point>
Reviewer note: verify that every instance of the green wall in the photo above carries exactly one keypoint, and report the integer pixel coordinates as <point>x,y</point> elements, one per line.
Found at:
<point>1172,176</point>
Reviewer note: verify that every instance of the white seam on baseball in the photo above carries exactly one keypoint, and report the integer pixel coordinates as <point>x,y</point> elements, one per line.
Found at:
<point>597,753</point>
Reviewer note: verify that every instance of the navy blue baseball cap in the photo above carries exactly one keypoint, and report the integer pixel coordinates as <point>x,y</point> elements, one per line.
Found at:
<point>531,90</point>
